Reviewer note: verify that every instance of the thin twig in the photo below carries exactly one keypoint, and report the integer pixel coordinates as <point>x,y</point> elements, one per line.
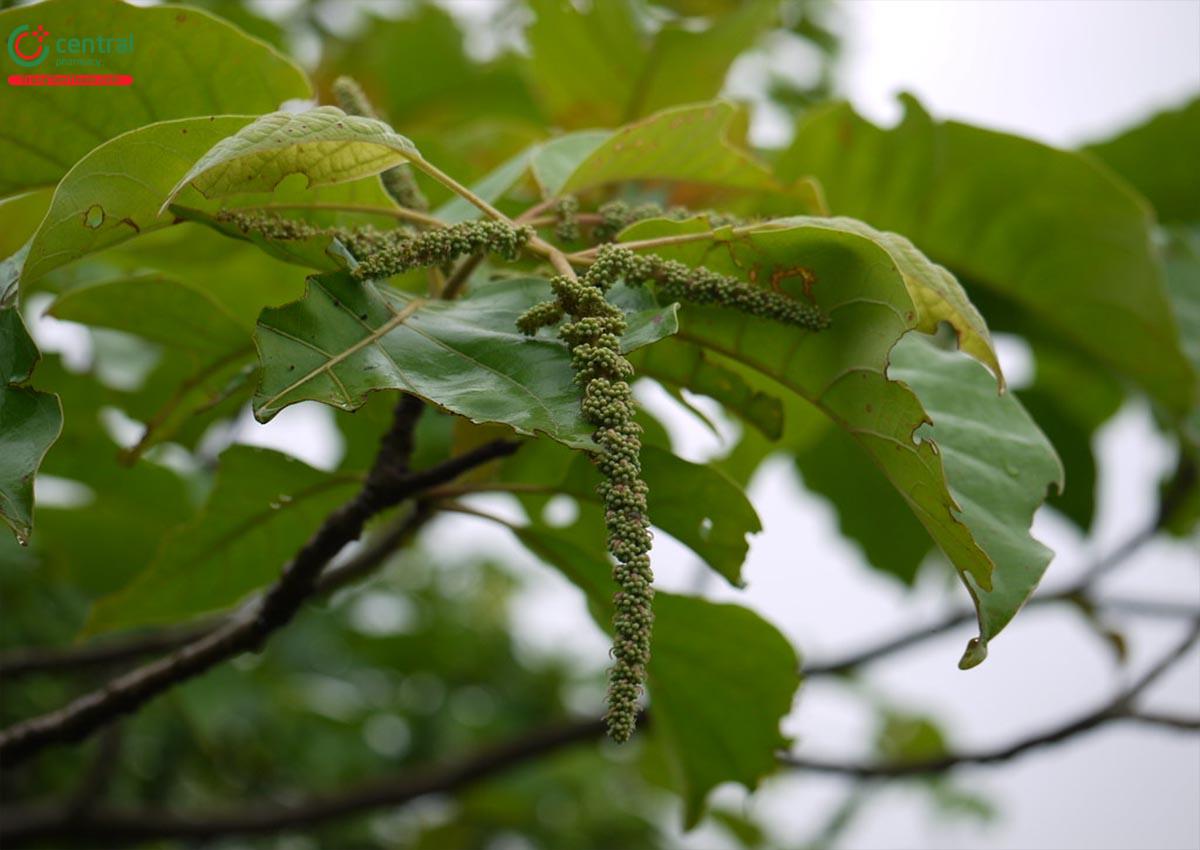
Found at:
<point>1119,708</point>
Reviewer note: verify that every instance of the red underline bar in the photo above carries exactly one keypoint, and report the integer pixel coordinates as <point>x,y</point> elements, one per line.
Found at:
<point>70,80</point>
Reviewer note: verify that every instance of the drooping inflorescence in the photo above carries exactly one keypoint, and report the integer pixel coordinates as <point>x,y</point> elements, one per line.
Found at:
<point>397,181</point>
<point>593,336</point>
<point>359,241</point>
<point>398,252</point>
<point>680,282</point>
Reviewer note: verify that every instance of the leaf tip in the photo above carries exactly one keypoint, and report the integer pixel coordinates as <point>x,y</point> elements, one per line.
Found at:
<point>974,654</point>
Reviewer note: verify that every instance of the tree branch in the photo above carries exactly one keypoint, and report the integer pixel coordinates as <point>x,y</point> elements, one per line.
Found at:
<point>388,484</point>
<point>1119,708</point>
<point>1078,590</point>
<point>64,826</point>
<point>108,826</point>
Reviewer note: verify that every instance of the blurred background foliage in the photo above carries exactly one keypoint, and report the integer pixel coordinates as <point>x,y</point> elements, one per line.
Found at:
<point>420,661</point>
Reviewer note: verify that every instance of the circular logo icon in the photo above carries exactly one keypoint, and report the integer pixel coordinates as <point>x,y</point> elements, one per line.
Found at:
<point>26,46</point>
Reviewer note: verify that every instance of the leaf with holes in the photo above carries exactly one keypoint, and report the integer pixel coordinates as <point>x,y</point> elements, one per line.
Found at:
<point>867,290</point>
<point>184,62</point>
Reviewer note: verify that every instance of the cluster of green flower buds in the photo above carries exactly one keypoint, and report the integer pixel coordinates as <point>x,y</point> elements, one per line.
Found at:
<point>399,252</point>
<point>359,241</point>
<point>679,282</point>
<point>593,336</point>
<point>397,181</point>
<point>566,227</point>
<point>617,215</point>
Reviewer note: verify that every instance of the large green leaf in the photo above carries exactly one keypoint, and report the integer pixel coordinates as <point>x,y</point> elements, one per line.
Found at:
<point>583,66</point>
<point>347,338</point>
<point>1044,228</point>
<point>184,62</point>
<point>999,466</point>
<point>686,64</point>
<point>866,290</point>
<point>30,422</point>
<point>721,680</point>
<point>1154,158</point>
<point>155,308</point>
<point>208,351</point>
<point>720,677</point>
<point>324,144</point>
<point>688,144</point>
<point>114,193</point>
<point>262,509</point>
<point>101,544</point>
<point>598,66</point>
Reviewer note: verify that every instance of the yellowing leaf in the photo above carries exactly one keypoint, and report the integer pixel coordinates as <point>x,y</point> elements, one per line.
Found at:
<point>324,144</point>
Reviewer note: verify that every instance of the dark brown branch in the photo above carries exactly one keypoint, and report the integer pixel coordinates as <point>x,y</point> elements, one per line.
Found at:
<point>114,652</point>
<point>109,827</point>
<point>388,484</point>
<point>1119,708</point>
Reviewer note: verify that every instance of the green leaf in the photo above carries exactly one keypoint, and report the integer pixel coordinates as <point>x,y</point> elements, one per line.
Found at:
<point>324,144</point>
<point>597,67</point>
<point>1154,158</point>
<point>681,365</point>
<point>114,193</point>
<point>696,504</point>
<point>866,292</point>
<point>869,510</point>
<point>157,309</point>
<point>347,338</point>
<point>184,62</point>
<point>1070,399</point>
<point>1044,228</point>
<point>264,506</point>
<point>688,144</point>
<point>212,350</point>
<point>552,162</point>
<point>582,66</point>
<point>19,217</point>
<point>686,65</point>
<point>101,544</point>
<point>30,422</point>
<point>720,677</point>
<point>999,466</point>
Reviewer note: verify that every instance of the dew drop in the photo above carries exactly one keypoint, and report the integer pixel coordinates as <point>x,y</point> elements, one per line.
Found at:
<point>94,217</point>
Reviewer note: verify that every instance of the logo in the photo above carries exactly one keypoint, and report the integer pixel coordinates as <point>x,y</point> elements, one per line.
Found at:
<point>29,47</point>
<point>26,46</point>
